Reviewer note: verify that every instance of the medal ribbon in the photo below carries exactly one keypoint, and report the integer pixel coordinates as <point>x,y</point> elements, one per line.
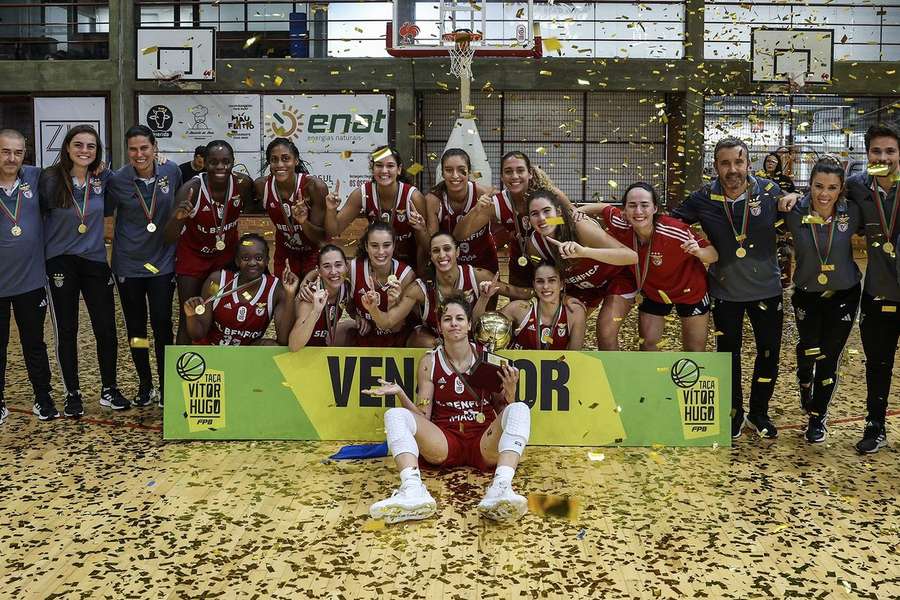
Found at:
<point>14,217</point>
<point>219,225</point>
<point>81,210</point>
<point>288,217</point>
<point>378,201</point>
<point>815,237</point>
<point>745,221</point>
<point>641,272</point>
<point>331,323</point>
<point>544,345</point>
<point>885,229</point>
<point>469,388</point>
<point>520,235</point>
<point>148,212</point>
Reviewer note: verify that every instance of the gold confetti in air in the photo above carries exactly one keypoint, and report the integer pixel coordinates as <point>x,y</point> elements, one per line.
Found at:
<point>812,351</point>
<point>584,82</point>
<point>345,154</point>
<point>812,219</point>
<point>888,308</point>
<point>540,150</point>
<point>149,50</point>
<point>279,80</point>
<point>555,221</point>
<point>379,155</point>
<point>612,184</point>
<point>247,243</point>
<point>828,381</point>
<point>247,296</point>
<point>139,342</point>
<point>414,169</point>
<point>552,44</point>
<point>250,41</point>
<point>545,73</point>
<point>764,379</point>
<point>664,297</point>
<point>151,268</point>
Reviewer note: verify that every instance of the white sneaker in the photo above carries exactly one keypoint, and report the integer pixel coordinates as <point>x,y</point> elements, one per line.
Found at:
<point>410,502</point>
<point>501,503</point>
<point>4,412</point>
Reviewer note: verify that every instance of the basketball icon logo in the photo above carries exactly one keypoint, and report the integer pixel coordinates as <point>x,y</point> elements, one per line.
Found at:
<point>685,373</point>
<point>190,366</point>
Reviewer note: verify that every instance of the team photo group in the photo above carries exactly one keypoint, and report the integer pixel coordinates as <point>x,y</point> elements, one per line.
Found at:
<point>426,270</point>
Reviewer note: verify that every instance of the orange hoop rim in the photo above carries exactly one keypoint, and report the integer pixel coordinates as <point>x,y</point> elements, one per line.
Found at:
<point>462,36</point>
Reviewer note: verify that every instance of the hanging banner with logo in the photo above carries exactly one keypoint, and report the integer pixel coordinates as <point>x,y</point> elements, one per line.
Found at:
<point>54,117</point>
<point>181,122</point>
<point>576,398</point>
<point>335,133</point>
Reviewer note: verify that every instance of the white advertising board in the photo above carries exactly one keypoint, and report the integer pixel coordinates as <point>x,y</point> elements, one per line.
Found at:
<point>181,122</point>
<point>54,117</point>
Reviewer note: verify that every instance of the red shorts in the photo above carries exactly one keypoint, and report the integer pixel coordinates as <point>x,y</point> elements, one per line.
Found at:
<point>464,447</point>
<point>191,263</point>
<point>301,262</point>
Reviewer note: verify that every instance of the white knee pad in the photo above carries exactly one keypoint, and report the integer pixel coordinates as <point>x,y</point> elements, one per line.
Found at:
<point>516,424</point>
<point>400,427</point>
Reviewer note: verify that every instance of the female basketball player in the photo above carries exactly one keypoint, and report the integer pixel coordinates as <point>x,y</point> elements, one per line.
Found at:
<point>317,319</point>
<point>669,272</point>
<point>236,308</point>
<point>454,424</point>
<point>376,271</point>
<point>589,259</point>
<point>826,288</point>
<point>205,223</point>
<point>76,264</point>
<point>509,208</point>
<point>142,193</point>
<point>445,276</point>
<point>451,200</point>
<point>550,321</point>
<point>390,198</point>
<point>295,202</point>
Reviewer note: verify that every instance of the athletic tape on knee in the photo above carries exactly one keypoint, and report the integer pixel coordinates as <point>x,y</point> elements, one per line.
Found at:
<point>516,424</point>
<point>400,428</point>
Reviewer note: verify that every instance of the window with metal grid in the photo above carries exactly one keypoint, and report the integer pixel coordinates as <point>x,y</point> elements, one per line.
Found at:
<point>591,144</point>
<point>803,128</point>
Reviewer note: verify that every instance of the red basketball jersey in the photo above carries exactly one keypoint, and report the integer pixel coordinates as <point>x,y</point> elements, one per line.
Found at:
<point>453,402</point>
<point>374,210</point>
<point>361,281</point>
<point>291,242</point>
<point>582,275</point>
<point>237,319</point>
<point>680,276</point>
<point>532,335</point>
<point>479,249</point>
<point>323,333</point>
<point>466,283</point>
<point>210,222</point>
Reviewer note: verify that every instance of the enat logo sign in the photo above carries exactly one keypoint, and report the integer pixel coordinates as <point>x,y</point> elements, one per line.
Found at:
<point>290,123</point>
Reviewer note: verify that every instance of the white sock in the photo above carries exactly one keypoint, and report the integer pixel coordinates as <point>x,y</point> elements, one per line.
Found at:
<point>410,475</point>
<point>503,474</point>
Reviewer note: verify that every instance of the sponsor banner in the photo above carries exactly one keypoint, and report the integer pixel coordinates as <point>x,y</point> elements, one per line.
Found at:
<point>328,123</point>
<point>181,122</point>
<point>54,117</point>
<point>576,398</point>
<point>352,171</point>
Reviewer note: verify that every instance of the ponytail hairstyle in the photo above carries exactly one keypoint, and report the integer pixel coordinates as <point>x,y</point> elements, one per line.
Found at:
<point>62,168</point>
<point>458,298</point>
<point>441,188</point>
<point>643,185</point>
<point>246,240</point>
<point>302,165</point>
<point>362,252</point>
<point>565,232</point>
<point>402,176</point>
<point>430,269</point>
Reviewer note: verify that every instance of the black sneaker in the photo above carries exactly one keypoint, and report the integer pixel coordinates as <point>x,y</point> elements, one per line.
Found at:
<point>737,424</point>
<point>4,412</point>
<point>806,397</point>
<point>113,398</point>
<point>74,406</point>
<point>144,396</point>
<point>815,429</point>
<point>45,411</point>
<point>874,438</point>
<point>763,426</point>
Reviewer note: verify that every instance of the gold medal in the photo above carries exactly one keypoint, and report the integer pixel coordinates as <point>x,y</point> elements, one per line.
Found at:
<point>822,278</point>
<point>200,310</point>
<point>220,245</point>
<point>523,262</point>
<point>888,247</point>
<point>546,338</point>
<point>16,231</point>
<point>82,228</point>
<point>151,227</point>
<point>479,417</point>
<point>741,252</point>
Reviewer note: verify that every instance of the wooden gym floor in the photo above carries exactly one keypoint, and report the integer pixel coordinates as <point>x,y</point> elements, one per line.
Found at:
<point>102,508</point>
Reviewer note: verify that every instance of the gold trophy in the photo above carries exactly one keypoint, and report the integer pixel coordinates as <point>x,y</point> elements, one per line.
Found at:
<point>493,330</point>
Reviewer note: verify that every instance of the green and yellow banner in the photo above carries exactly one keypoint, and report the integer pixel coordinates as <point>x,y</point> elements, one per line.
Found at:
<point>576,398</point>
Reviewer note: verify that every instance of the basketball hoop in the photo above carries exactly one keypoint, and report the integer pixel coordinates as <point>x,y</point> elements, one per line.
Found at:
<point>169,78</point>
<point>462,52</point>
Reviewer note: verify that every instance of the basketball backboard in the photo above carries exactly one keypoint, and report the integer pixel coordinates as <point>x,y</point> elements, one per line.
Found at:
<point>505,29</point>
<point>164,53</point>
<point>794,56</point>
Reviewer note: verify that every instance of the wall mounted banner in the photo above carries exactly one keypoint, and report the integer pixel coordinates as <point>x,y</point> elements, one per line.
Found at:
<point>576,398</point>
<point>54,117</point>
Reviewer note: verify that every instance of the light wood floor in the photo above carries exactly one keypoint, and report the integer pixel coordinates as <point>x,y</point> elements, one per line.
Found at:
<point>101,508</point>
